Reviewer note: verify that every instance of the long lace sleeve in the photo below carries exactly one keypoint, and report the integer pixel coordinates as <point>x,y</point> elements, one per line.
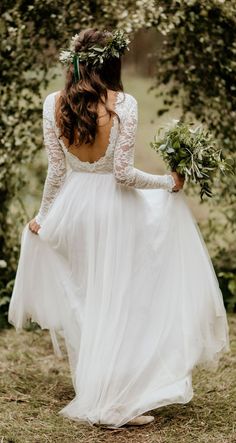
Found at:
<point>124,170</point>
<point>56,172</point>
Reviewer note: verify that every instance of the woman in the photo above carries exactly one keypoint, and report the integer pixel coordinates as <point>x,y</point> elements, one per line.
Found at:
<point>118,267</point>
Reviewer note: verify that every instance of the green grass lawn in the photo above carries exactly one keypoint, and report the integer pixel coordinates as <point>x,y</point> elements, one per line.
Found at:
<point>35,385</point>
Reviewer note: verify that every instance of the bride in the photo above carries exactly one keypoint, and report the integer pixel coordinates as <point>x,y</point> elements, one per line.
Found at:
<point>114,262</point>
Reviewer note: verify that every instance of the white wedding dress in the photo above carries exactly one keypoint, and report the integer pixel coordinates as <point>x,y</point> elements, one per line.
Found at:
<point>120,271</point>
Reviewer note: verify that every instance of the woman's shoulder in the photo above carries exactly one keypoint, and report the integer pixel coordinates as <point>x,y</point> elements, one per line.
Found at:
<point>50,98</point>
<point>130,98</point>
<point>127,103</point>
<point>49,105</point>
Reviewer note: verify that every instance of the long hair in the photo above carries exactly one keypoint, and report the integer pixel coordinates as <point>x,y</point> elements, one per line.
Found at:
<point>77,106</point>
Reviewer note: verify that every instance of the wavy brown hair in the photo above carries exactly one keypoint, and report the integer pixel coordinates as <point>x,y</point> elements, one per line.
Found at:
<point>77,106</point>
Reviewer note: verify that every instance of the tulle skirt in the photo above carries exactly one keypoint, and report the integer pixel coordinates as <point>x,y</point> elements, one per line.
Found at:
<point>123,275</point>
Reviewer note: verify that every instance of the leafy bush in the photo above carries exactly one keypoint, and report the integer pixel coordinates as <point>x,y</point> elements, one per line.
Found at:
<point>198,61</point>
<point>197,64</point>
<point>31,34</point>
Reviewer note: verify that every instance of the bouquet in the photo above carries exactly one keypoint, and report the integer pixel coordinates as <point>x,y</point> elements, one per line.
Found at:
<point>193,153</point>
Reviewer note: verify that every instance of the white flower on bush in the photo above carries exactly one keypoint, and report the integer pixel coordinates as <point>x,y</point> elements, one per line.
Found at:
<point>3,264</point>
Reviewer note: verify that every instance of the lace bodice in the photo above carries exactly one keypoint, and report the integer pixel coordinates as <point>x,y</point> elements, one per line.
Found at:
<point>118,159</point>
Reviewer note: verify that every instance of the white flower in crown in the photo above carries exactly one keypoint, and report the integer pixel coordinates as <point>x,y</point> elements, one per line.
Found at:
<point>66,56</point>
<point>96,54</point>
<point>73,42</point>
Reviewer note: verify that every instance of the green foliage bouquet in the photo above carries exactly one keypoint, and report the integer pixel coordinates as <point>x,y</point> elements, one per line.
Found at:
<point>193,153</point>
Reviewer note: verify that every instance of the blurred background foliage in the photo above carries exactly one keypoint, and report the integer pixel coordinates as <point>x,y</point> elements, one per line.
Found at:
<point>183,52</point>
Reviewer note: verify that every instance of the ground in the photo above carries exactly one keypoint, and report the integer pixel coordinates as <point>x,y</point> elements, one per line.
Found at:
<point>35,385</point>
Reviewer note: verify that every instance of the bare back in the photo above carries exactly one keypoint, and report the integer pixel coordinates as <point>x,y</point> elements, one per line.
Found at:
<point>93,152</point>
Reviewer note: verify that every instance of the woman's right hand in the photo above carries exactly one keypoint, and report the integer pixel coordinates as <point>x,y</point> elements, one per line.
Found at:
<point>179,181</point>
<point>34,226</point>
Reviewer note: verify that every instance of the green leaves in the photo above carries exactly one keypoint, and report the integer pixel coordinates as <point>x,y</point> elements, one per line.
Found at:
<point>193,153</point>
<point>197,63</point>
<point>96,55</point>
<point>31,36</point>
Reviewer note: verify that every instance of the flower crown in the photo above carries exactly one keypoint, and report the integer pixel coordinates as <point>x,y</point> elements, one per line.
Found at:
<point>95,55</point>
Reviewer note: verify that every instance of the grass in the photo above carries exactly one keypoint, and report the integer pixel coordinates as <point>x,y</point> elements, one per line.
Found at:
<point>35,385</point>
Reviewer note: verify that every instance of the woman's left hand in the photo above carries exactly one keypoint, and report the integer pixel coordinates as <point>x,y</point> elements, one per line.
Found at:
<point>34,226</point>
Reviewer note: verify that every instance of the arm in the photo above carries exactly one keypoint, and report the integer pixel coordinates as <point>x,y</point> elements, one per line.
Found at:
<point>124,170</point>
<point>56,172</point>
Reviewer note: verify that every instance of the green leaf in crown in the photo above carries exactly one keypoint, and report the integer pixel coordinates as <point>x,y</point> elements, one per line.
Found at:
<point>96,55</point>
